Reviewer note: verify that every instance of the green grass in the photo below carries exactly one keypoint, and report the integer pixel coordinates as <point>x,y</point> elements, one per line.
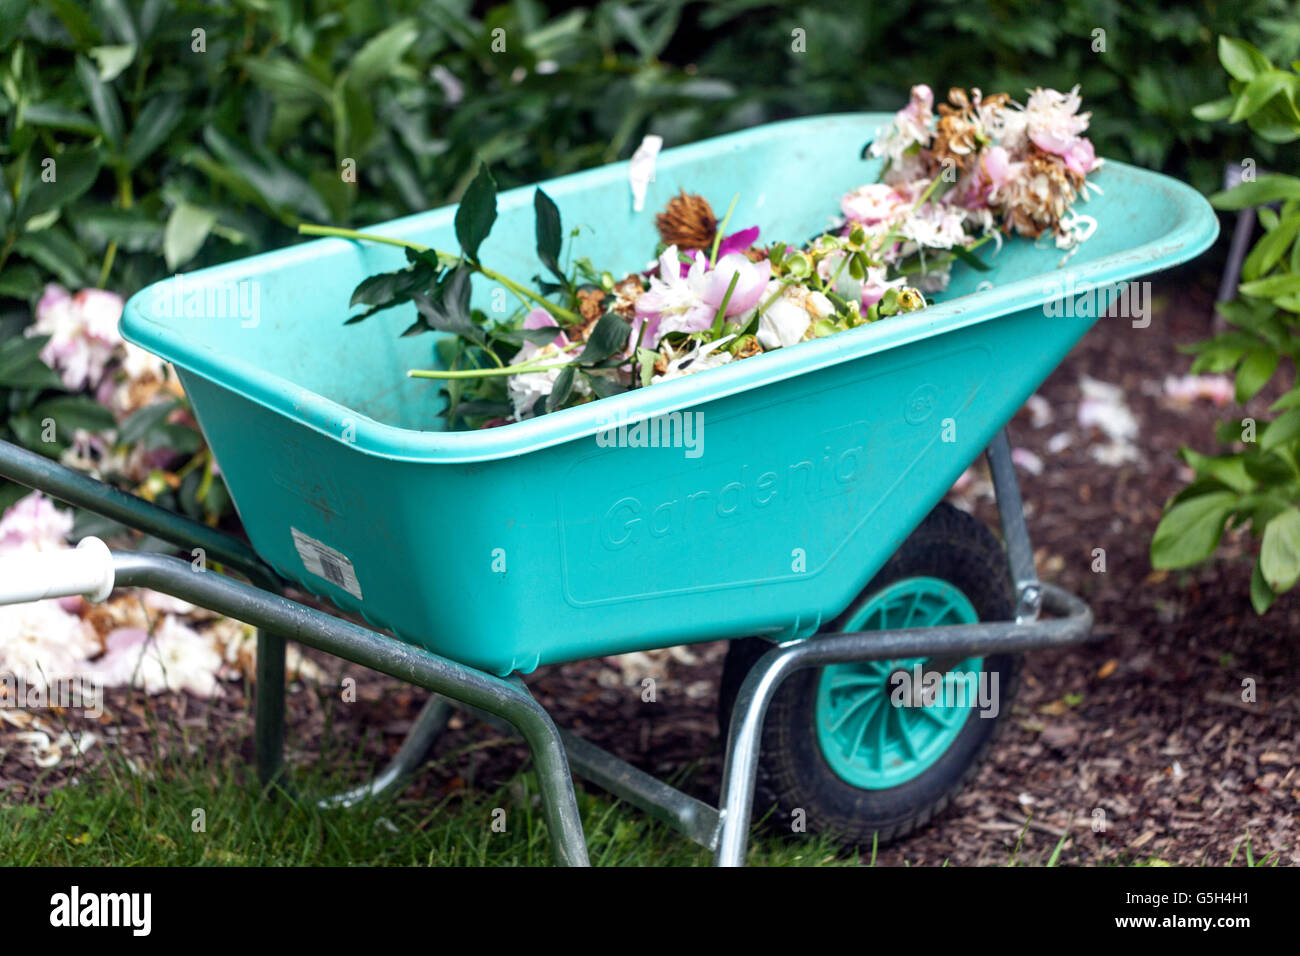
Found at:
<point>115,816</point>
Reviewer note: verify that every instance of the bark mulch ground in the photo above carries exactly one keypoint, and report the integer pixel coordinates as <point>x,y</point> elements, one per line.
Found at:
<point>1139,746</point>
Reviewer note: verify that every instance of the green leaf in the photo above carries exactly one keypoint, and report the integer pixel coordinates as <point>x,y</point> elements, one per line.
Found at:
<point>972,260</point>
<point>1270,248</point>
<point>561,389</point>
<point>1229,469</point>
<point>1279,553</point>
<point>72,412</point>
<point>74,172</point>
<point>376,59</point>
<point>103,103</point>
<point>112,60</point>
<point>1257,92</point>
<point>1215,109</point>
<point>138,426</point>
<point>1261,595</point>
<point>156,122</point>
<point>1241,60</point>
<point>1283,429</point>
<point>550,236</point>
<point>54,250</point>
<point>1272,286</point>
<point>1265,189</point>
<point>1255,371</point>
<point>21,365</point>
<point>20,281</point>
<point>476,213</point>
<point>187,229</point>
<point>448,311</point>
<point>56,116</point>
<point>1190,530</point>
<point>610,335</point>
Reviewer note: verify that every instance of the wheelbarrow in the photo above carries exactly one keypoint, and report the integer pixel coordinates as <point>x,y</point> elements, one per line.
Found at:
<point>804,525</point>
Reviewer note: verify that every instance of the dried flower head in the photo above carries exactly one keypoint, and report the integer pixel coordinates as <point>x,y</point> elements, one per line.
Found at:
<point>687,222</point>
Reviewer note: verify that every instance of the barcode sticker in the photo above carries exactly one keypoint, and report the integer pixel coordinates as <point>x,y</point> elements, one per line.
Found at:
<point>325,562</point>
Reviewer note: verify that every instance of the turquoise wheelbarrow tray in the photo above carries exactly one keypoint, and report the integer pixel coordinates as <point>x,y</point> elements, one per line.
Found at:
<point>490,553</point>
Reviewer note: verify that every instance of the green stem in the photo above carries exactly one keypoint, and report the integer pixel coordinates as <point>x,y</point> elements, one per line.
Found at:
<point>525,294</point>
<point>720,319</point>
<point>521,369</point>
<point>722,228</point>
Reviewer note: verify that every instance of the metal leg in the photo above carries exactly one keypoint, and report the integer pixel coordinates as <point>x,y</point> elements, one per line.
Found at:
<point>762,682</point>
<point>268,708</point>
<point>352,642</point>
<point>415,748</point>
<point>692,818</point>
<point>1015,536</point>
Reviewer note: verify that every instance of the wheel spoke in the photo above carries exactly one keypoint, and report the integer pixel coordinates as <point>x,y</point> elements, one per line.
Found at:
<point>850,710</point>
<point>905,733</point>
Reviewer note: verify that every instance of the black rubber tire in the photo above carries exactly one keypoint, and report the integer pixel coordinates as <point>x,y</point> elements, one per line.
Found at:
<point>792,775</point>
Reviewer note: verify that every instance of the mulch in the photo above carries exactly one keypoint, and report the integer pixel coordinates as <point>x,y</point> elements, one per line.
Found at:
<point>1139,746</point>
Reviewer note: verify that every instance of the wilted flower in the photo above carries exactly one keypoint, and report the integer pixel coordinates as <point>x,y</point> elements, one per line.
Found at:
<point>40,642</point>
<point>699,357</point>
<point>911,126</point>
<point>875,204</point>
<point>83,333</point>
<point>751,280</point>
<point>32,523</point>
<point>786,320</point>
<point>177,658</point>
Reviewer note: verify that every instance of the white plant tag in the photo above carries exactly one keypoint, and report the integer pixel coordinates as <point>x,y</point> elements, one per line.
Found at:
<point>641,170</point>
<point>325,562</point>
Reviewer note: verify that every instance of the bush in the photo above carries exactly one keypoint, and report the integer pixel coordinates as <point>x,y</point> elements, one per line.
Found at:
<point>1258,485</point>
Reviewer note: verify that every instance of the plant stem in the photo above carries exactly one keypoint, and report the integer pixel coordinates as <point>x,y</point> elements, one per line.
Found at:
<point>522,369</point>
<point>125,200</point>
<point>523,293</point>
<point>722,227</point>
<point>720,319</point>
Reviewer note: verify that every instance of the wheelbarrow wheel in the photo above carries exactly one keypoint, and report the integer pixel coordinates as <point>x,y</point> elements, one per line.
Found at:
<point>837,753</point>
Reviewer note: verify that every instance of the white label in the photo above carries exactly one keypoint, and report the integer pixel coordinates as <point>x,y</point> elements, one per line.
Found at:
<point>324,562</point>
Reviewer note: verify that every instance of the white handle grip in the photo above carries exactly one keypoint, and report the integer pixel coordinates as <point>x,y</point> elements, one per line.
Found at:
<point>33,576</point>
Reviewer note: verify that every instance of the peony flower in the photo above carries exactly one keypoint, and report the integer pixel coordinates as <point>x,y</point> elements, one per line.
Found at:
<point>178,658</point>
<point>1188,388</point>
<point>750,284</point>
<point>876,204</point>
<point>674,302</point>
<point>83,333</point>
<point>1053,121</point>
<point>911,126</point>
<point>40,642</point>
<point>33,524</point>
<point>697,359</point>
<point>786,320</point>
<point>876,285</point>
<point>935,226</point>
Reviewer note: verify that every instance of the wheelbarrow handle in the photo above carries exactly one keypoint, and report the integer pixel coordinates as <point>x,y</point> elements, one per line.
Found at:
<point>86,569</point>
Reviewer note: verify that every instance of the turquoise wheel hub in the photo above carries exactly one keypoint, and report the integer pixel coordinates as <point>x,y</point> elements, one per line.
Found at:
<point>868,740</point>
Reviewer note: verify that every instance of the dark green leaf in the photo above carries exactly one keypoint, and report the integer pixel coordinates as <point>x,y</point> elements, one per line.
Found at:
<point>151,129</point>
<point>477,213</point>
<point>74,172</point>
<point>609,336</point>
<point>561,389</point>
<point>103,103</point>
<point>550,235</point>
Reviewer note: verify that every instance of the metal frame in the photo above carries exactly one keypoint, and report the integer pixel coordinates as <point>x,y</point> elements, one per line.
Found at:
<point>506,703</point>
